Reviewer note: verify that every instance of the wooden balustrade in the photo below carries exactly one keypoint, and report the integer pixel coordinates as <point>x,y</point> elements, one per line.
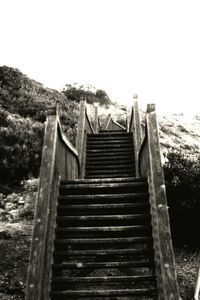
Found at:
<point>113,125</point>
<point>59,161</point>
<point>97,126</point>
<point>151,167</point>
<point>84,127</point>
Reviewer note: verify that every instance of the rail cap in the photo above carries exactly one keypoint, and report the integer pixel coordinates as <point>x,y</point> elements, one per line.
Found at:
<point>151,108</point>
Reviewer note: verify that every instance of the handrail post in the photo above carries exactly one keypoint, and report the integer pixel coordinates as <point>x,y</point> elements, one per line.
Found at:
<point>107,122</point>
<point>164,255</point>
<point>96,121</point>
<point>137,132</point>
<point>127,120</point>
<point>81,129</point>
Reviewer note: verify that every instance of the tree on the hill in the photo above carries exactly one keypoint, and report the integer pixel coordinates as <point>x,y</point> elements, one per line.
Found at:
<point>72,92</point>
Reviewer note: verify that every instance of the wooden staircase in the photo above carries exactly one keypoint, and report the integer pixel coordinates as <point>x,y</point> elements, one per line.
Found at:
<point>102,230</point>
<point>109,154</point>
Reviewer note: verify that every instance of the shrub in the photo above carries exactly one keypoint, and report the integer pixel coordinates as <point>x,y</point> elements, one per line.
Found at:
<point>182,175</point>
<point>20,148</point>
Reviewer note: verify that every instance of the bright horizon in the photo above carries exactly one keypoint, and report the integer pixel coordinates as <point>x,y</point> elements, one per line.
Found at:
<point>125,47</point>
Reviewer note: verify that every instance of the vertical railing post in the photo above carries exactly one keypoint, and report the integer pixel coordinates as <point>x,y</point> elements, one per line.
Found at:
<point>127,120</point>
<point>81,130</point>
<point>107,122</point>
<point>96,121</point>
<point>137,132</point>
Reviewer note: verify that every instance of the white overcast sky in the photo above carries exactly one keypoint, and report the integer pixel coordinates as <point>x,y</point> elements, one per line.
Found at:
<point>147,47</point>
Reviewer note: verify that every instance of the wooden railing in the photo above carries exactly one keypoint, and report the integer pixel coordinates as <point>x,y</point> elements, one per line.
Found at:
<point>59,161</point>
<point>84,127</point>
<point>137,128</point>
<point>150,166</point>
<point>112,125</point>
<point>97,126</point>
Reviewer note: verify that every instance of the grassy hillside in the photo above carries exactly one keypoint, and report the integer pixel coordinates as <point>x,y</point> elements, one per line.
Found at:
<point>181,133</point>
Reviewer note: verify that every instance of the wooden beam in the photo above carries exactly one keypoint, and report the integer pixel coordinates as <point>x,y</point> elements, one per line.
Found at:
<point>81,128</point>
<point>38,246</point>
<point>164,256</point>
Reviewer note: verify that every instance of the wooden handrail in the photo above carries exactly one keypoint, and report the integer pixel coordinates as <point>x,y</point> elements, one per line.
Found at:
<point>113,125</point>
<point>151,167</point>
<point>59,161</point>
<point>84,127</point>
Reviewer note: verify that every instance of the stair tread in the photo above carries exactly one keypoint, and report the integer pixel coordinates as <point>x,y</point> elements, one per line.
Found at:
<point>110,166</point>
<point>95,185</point>
<point>103,240</point>
<point>105,292</point>
<point>102,206</point>
<point>105,279</point>
<point>104,252</point>
<point>105,228</point>
<point>110,180</point>
<point>102,265</point>
<point>104,217</point>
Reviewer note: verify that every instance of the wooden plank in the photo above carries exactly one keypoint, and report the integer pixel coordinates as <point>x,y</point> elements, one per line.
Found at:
<point>105,279</point>
<point>102,265</point>
<point>80,129</point>
<point>164,256</point>
<point>107,252</point>
<point>104,293</point>
<point>36,273</point>
<point>96,120</point>
<point>137,134</point>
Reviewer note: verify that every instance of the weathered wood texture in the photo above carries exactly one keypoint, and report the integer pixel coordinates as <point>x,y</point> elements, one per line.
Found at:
<point>97,126</point>
<point>112,125</point>
<point>84,127</point>
<point>59,161</point>
<point>150,166</point>
<point>136,127</point>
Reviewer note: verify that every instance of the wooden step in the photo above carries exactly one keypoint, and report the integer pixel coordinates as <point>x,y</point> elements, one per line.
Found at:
<point>114,166</point>
<point>115,170</point>
<point>110,134</point>
<point>99,209</point>
<point>105,279</point>
<point>105,252</point>
<point>102,198</point>
<point>102,232</point>
<point>96,163</point>
<point>107,187</point>
<point>110,158</point>
<point>94,207</point>
<point>103,185</point>
<point>96,139</point>
<point>103,220</point>
<point>107,146</point>
<point>124,175</point>
<point>124,240</point>
<point>103,265</point>
<point>114,154</point>
<point>105,229</point>
<point>103,217</point>
<point>110,151</point>
<point>102,293</point>
<point>107,180</point>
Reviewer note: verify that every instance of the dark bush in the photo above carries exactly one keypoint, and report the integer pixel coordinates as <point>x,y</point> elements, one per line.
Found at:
<point>182,175</point>
<point>20,148</point>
